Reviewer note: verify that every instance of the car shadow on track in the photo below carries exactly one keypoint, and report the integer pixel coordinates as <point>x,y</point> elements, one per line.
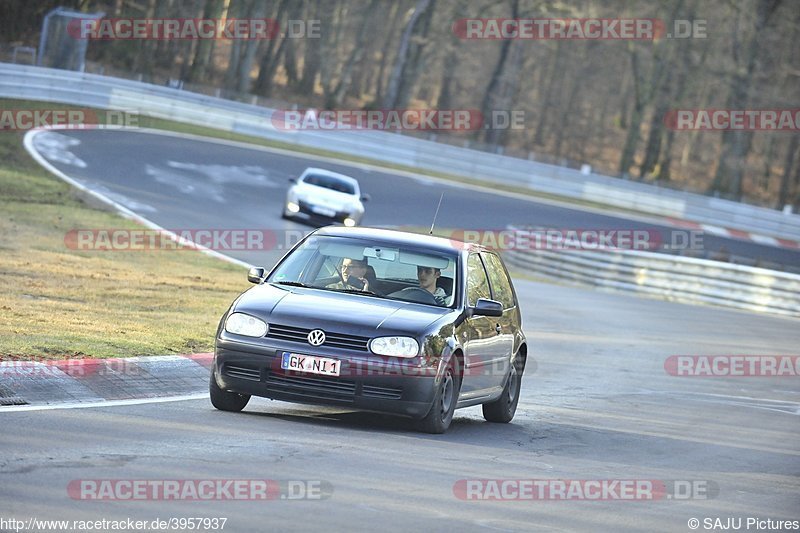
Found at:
<point>462,428</point>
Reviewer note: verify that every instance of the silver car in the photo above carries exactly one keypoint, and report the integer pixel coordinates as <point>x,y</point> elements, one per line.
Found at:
<point>323,196</point>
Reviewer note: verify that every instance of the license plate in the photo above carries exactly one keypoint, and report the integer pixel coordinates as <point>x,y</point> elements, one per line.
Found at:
<point>324,211</point>
<point>310,364</point>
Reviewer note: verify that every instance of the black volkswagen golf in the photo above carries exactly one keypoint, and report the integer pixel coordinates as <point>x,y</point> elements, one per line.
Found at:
<point>376,320</point>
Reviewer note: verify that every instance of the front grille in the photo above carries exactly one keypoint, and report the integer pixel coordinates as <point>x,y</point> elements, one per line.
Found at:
<point>329,389</point>
<point>306,209</point>
<point>383,393</point>
<point>334,340</point>
<point>242,372</point>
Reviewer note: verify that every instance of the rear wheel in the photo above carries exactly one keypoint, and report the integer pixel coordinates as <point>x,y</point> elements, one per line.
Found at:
<point>444,404</point>
<point>503,409</point>
<point>224,400</point>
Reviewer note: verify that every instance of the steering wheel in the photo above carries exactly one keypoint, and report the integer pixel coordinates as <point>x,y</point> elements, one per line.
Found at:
<point>415,294</point>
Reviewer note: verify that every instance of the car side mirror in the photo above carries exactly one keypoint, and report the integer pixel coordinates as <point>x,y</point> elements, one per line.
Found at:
<point>365,197</point>
<point>485,307</point>
<point>255,275</point>
<point>292,180</point>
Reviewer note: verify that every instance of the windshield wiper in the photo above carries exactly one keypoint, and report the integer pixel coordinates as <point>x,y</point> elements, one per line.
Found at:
<point>291,284</point>
<point>359,291</point>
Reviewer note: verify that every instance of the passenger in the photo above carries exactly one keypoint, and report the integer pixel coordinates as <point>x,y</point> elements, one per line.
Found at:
<point>353,271</point>
<point>427,277</point>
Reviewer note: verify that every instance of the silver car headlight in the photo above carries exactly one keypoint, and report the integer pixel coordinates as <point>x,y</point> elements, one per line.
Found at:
<point>395,346</point>
<point>249,326</point>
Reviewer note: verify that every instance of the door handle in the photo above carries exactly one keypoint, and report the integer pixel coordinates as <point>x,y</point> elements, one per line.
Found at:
<point>498,328</point>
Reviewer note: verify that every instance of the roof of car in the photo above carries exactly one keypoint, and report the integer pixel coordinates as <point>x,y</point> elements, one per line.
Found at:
<point>402,238</point>
<point>323,172</point>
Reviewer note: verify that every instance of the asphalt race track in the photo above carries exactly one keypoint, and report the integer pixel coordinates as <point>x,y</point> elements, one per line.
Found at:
<point>185,183</point>
<point>597,402</point>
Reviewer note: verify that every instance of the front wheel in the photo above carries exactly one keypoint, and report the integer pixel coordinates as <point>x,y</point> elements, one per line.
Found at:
<point>503,409</point>
<point>444,403</point>
<point>224,400</point>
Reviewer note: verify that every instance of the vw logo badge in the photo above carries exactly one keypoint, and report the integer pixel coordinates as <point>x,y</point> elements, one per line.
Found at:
<point>316,337</point>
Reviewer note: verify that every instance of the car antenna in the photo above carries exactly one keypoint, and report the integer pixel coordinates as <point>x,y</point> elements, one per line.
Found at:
<point>436,213</point>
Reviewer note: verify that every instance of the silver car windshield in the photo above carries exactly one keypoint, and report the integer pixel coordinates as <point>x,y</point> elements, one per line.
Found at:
<point>330,182</point>
<point>385,270</point>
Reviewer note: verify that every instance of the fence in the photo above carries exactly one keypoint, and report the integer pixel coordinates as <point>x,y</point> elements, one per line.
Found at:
<point>683,279</point>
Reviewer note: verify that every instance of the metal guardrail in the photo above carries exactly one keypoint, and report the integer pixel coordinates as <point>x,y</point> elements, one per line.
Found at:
<point>682,279</point>
<point>35,83</point>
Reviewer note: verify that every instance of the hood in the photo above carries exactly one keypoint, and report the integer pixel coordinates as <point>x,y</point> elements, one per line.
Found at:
<point>341,312</point>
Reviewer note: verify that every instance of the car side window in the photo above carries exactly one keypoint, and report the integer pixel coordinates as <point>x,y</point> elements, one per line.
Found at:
<point>501,285</point>
<point>477,282</point>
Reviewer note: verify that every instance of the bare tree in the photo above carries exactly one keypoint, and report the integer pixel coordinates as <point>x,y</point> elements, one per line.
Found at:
<point>737,143</point>
<point>334,99</point>
<point>406,66</point>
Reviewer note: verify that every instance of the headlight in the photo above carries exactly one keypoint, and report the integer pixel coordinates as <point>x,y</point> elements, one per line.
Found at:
<point>292,207</point>
<point>242,324</point>
<point>396,346</point>
<point>349,222</point>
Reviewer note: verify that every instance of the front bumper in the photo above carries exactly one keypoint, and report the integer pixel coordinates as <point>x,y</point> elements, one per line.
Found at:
<point>307,212</point>
<point>368,383</point>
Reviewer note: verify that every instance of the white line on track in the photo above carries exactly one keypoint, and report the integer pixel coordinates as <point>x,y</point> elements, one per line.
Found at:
<point>110,403</point>
<point>124,211</point>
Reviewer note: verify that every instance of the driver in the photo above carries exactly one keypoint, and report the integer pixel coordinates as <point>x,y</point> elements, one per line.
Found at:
<point>427,277</point>
<point>353,273</point>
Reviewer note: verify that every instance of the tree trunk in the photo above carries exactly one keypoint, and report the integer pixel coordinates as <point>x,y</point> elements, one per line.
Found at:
<point>311,59</point>
<point>146,56</point>
<point>202,54</point>
<point>245,67</point>
<point>501,84</point>
<point>736,144</point>
<point>643,91</point>
<point>290,51</point>
<point>270,59</point>
<point>541,127</point>
<point>399,80</point>
<point>566,112</point>
<point>416,58</point>
<point>331,60</point>
<point>783,193</point>
<point>334,100</point>
<point>395,15</point>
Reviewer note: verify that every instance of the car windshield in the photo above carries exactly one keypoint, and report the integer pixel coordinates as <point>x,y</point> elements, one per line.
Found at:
<point>391,271</point>
<point>330,182</point>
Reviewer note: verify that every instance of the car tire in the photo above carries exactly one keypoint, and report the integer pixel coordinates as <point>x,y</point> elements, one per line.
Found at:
<point>224,400</point>
<point>444,403</point>
<point>503,409</point>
